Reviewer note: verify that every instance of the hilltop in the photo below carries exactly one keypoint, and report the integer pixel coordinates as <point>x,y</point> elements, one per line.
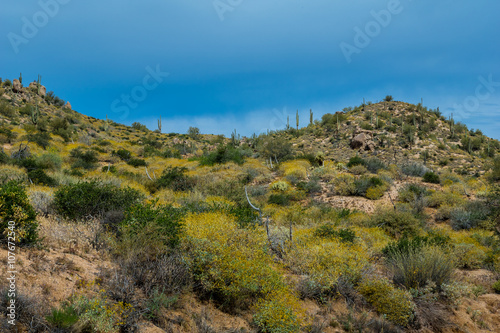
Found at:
<point>380,217</point>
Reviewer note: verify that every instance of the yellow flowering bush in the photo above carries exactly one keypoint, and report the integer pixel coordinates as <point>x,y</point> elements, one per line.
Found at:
<point>344,185</point>
<point>232,263</point>
<point>375,192</point>
<point>395,304</point>
<point>277,313</point>
<point>297,168</point>
<point>326,260</point>
<point>90,310</point>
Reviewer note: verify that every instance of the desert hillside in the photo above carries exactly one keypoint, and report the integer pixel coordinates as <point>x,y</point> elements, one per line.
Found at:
<point>382,217</point>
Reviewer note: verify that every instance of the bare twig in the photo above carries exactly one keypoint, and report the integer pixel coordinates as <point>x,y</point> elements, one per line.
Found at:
<point>147,173</point>
<point>255,208</point>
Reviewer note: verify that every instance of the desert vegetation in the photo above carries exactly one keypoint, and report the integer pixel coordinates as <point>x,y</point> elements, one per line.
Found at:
<point>327,228</point>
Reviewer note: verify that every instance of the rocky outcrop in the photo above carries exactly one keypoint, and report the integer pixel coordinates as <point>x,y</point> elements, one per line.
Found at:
<point>34,87</point>
<point>17,86</point>
<point>67,106</point>
<point>362,141</point>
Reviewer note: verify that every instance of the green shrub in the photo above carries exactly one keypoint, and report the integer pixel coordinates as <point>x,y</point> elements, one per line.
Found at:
<point>39,177</point>
<point>93,198</point>
<point>469,215</point>
<point>431,177</point>
<point>123,154</point>
<point>49,161</point>
<point>42,139</point>
<point>61,127</point>
<point>374,165</point>
<point>193,132</point>
<point>344,185</point>
<point>408,245</point>
<point>413,267</point>
<point>280,199</point>
<point>469,256</point>
<point>15,206</point>
<point>63,318</point>
<point>311,186</point>
<point>364,183</point>
<point>496,287</point>
<point>414,169</point>
<point>7,110</point>
<point>395,304</point>
<point>408,192</point>
<point>329,231</point>
<point>83,159</point>
<point>397,223</point>
<point>110,168</point>
<point>224,154</point>
<point>356,160</point>
<point>4,158</point>
<point>140,127</point>
<point>495,172</point>
<point>175,179</point>
<point>136,162</point>
<point>165,222</point>
<point>276,148</point>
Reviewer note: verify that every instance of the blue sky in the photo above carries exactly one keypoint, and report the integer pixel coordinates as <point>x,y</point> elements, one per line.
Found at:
<point>245,65</point>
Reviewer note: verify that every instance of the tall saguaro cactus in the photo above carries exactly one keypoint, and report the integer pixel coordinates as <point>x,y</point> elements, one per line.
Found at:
<point>106,124</point>
<point>159,124</point>
<point>38,83</point>
<point>311,120</point>
<point>35,115</point>
<point>297,118</point>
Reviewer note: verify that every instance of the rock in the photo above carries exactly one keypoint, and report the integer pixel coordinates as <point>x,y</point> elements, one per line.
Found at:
<point>362,141</point>
<point>359,141</point>
<point>34,86</point>
<point>17,86</point>
<point>67,106</point>
<point>7,97</point>
<point>43,91</point>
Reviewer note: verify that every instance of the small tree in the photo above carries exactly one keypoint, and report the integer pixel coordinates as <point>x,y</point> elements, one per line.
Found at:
<point>388,98</point>
<point>194,132</point>
<point>17,216</point>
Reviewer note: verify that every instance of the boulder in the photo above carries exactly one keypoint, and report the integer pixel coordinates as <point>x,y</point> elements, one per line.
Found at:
<point>34,86</point>
<point>359,141</point>
<point>362,142</point>
<point>17,87</point>
<point>67,106</point>
<point>6,97</point>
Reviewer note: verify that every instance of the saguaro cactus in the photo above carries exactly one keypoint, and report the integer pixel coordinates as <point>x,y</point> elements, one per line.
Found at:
<point>297,118</point>
<point>35,115</point>
<point>38,83</point>
<point>311,120</point>
<point>106,123</point>
<point>159,124</point>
